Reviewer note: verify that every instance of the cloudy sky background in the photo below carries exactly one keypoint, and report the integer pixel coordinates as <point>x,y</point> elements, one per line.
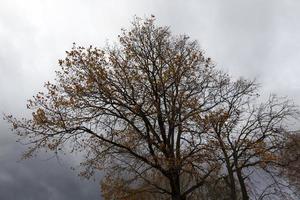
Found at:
<point>251,38</point>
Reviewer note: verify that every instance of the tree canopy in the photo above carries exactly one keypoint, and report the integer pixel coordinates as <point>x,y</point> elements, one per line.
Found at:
<point>156,115</point>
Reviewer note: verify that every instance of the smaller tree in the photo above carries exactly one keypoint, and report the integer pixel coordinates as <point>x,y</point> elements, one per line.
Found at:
<point>250,135</point>
<point>290,159</point>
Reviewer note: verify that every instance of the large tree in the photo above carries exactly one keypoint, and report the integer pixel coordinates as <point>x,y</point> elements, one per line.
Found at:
<point>155,113</point>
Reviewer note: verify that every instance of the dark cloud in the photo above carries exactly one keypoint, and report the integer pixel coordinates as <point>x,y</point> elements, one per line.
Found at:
<point>245,38</point>
<point>40,178</point>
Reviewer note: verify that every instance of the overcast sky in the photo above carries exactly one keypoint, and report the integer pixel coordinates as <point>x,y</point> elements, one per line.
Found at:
<point>251,38</point>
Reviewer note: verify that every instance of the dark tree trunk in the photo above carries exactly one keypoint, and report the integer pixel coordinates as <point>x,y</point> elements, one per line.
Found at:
<point>242,184</point>
<point>233,193</point>
<point>231,181</point>
<point>175,187</point>
<point>178,197</point>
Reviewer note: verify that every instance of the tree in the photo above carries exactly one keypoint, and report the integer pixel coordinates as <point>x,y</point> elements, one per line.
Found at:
<point>153,112</point>
<point>249,135</point>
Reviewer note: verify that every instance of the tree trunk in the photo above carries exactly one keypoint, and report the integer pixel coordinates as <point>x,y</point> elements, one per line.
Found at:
<point>233,193</point>
<point>178,197</point>
<point>232,186</point>
<point>242,184</point>
<point>175,187</point>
